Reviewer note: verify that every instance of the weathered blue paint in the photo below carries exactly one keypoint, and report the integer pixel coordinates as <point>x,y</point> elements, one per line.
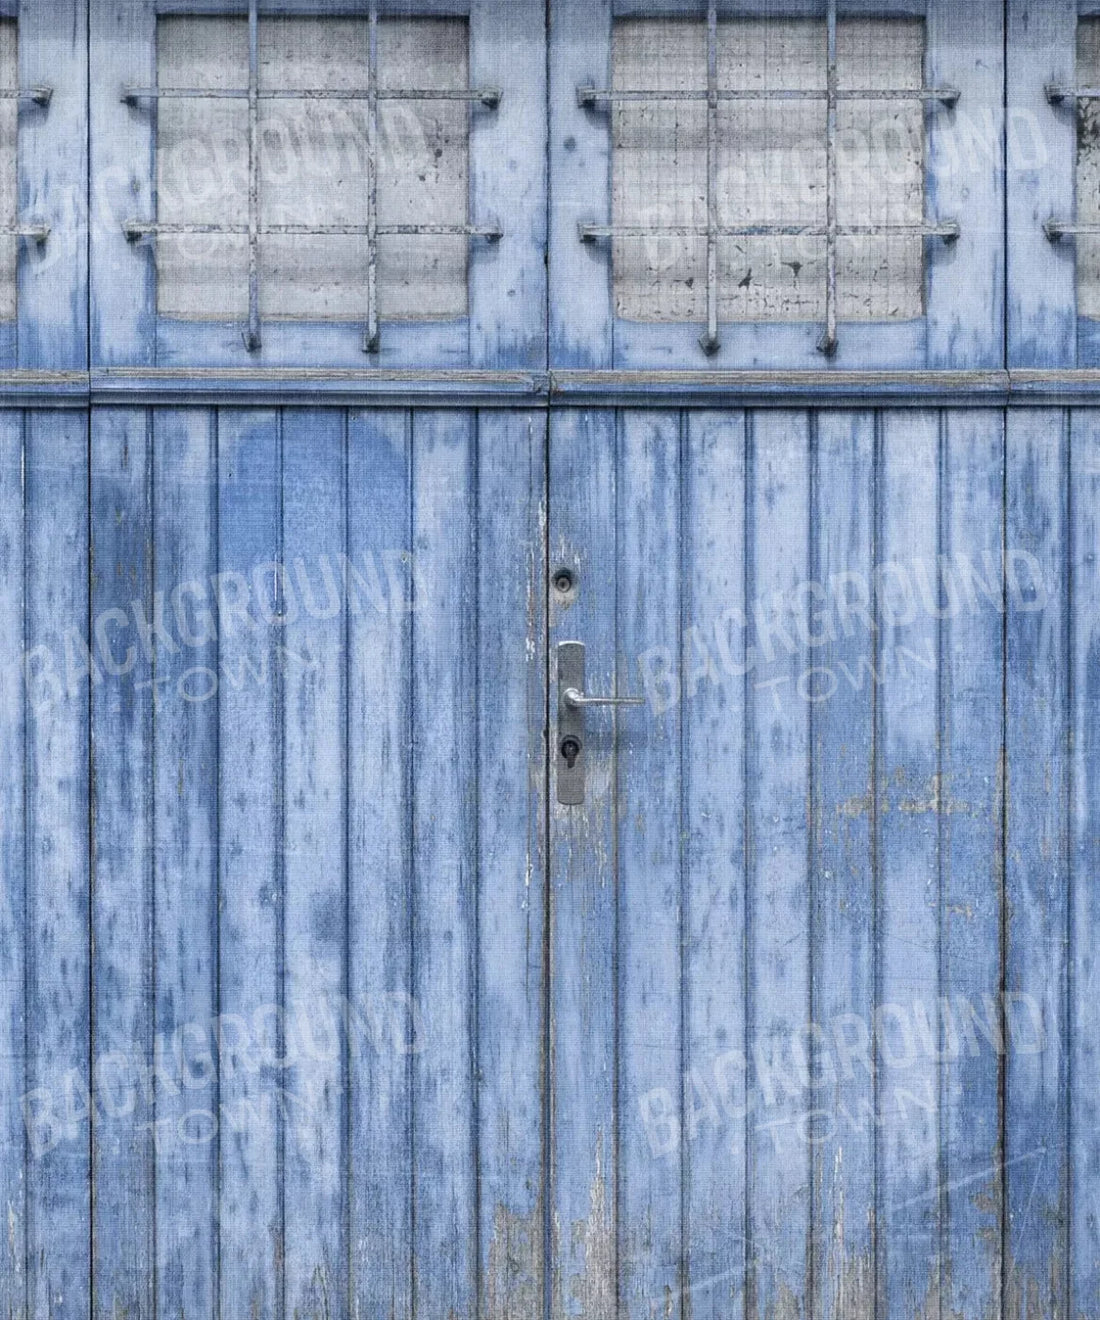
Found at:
<point>714,888</point>
<point>404,1037</point>
<point>379,960</point>
<point>55,992</point>
<point>123,904</point>
<point>185,766</point>
<point>843,893</point>
<point>256,848</point>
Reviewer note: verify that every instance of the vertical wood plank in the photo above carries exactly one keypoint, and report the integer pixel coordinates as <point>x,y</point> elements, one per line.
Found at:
<point>251,895</point>
<point>581,314</point>
<point>583,893</point>
<point>648,950</point>
<point>969,591</point>
<point>965,182</point>
<point>444,841</point>
<point>711,687</point>
<point>122,875</point>
<point>907,851</point>
<point>1040,176</point>
<point>843,916</point>
<point>13,927</point>
<point>777,806</point>
<point>511,678</point>
<point>508,183</point>
<point>58,897</point>
<point>1037,861</point>
<point>380,862</point>
<point>53,186</point>
<point>185,676</point>
<point>122,36</point>
<point>315,872</point>
<point>1083,1044</point>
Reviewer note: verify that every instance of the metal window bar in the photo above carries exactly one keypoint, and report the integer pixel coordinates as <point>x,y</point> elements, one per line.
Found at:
<point>828,341</point>
<point>832,94</point>
<point>252,338</point>
<point>373,336</point>
<point>710,342</point>
<point>137,230</point>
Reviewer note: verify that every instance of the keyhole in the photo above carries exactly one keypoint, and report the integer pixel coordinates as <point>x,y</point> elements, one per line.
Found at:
<point>570,749</point>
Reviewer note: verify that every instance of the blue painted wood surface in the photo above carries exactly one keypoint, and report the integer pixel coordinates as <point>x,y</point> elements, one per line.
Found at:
<point>313,1000</point>
<point>295,837</point>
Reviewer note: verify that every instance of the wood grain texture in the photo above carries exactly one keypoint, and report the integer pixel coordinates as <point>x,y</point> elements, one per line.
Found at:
<point>379,769</point>
<point>251,892</point>
<point>968,591</point>
<point>58,1010</point>
<point>315,876</point>
<point>123,912</point>
<point>965,182</point>
<point>1042,147</point>
<point>909,1192</point>
<point>584,1000</point>
<point>777,807</point>
<point>843,941</point>
<point>185,673</point>
<point>648,952</point>
<point>1037,861</point>
<point>712,689</point>
<point>13,891</point>
<point>445,893</point>
<point>1083,1037</point>
<point>52,322</point>
<point>511,833</point>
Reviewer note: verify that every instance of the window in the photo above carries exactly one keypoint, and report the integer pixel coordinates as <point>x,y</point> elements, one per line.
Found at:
<point>777,186</point>
<point>310,183</point>
<point>771,170</point>
<point>317,147</point>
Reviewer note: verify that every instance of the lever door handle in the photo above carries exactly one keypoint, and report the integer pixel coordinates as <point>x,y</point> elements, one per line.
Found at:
<point>577,700</point>
<point>572,703</point>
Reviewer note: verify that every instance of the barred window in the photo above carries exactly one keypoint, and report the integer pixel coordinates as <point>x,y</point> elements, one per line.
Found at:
<point>768,170</point>
<point>314,257</point>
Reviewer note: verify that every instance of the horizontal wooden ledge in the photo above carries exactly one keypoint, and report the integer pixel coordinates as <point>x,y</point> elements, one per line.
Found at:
<point>760,388</point>
<point>335,387</point>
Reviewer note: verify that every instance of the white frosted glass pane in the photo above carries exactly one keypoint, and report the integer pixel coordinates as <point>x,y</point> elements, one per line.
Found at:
<point>313,168</point>
<point>771,169</point>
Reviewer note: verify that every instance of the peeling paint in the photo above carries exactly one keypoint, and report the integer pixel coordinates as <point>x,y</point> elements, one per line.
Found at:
<point>592,1293</point>
<point>514,1285</point>
<point>851,1276</point>
<point>1030,1298</point>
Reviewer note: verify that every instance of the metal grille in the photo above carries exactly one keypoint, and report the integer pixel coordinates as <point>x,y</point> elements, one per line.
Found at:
<point>831,230</point>
<point>371,94</point>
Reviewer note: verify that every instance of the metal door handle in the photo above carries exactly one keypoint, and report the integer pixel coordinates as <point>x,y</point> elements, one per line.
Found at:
<point>577,700</point>
<point>572,703</point>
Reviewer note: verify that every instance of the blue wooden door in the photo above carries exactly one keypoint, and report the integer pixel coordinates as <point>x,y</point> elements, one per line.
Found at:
<point>355,357</point>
